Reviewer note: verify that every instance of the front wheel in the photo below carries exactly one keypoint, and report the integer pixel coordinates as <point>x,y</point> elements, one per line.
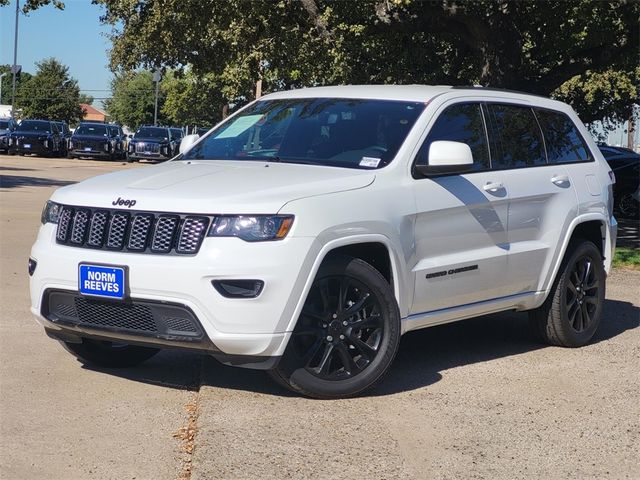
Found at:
<point>109,354</point>
<point>572,312</point>
<point>347,334</point>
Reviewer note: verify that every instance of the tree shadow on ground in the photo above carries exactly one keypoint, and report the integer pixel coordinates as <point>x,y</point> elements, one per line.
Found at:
<point>18,169</point>
<point>16,181</point>
<point>422,356</point>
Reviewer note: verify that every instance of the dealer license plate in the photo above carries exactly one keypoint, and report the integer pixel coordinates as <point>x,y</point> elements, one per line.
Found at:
<point>102,281</point>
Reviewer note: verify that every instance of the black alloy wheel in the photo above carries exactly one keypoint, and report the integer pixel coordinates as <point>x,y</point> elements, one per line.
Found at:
<point>570,315</point>
<point>581,296</point>
<point>347,333</point>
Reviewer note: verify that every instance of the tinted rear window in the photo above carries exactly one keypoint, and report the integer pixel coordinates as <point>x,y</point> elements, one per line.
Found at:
<point>516,141</point>
<point>460,123</point>
<point>564,143</point>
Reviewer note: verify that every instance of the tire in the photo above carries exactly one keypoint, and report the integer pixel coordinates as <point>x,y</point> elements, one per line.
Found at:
<point>570,315</point>
<point>108,354</point>
<point>339,349</point>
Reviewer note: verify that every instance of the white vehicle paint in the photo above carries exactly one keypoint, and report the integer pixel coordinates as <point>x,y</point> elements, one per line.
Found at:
<point>457,245</point>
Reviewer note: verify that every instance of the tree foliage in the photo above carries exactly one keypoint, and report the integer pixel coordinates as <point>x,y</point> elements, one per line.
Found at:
<point>7,83</point>
<point>133,98</point>
<point>51,93</point>
<point>531,46</point>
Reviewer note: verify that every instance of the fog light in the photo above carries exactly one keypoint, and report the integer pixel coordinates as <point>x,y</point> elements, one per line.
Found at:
<point>32,266</point>
<point>238,288</point>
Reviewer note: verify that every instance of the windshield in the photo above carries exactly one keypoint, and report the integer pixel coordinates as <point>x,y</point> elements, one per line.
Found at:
<point>113,131</point>
<point>34,126</point>
<point>150,132</point>
<point>4,124</point>
<point>99,130</point>
<point>321,131</point>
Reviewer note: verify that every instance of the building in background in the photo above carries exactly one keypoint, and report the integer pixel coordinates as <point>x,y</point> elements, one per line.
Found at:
<point>92,113</point>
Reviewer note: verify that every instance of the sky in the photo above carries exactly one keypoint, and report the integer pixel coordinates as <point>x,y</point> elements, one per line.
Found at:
<point>74,36</point>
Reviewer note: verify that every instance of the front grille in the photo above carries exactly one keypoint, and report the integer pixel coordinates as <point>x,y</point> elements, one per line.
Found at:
<point>93,144</point>
<point>140,232</point>
<point>146,147</point>
<point>139,317</point>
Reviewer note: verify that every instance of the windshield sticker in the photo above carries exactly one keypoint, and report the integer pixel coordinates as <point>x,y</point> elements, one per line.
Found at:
<point>370,162</point>
<point>239,126</point>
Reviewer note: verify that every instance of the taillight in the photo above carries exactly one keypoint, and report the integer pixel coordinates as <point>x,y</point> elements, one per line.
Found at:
<point>612,176</point>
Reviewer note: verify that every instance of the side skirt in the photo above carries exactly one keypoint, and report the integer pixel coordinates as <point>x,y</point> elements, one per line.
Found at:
<point>520,301</point>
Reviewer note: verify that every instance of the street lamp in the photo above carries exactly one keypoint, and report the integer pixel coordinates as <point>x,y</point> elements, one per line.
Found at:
<point>156,78</point>
<point>15,68</point>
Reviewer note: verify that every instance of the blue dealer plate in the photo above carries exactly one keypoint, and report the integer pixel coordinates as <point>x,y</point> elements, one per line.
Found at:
<point>101,281</point>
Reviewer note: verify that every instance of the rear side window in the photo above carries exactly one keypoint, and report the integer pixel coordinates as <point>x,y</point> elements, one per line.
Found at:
<point>463,123</point>
<point>564,143</point>
<point>516,140</point>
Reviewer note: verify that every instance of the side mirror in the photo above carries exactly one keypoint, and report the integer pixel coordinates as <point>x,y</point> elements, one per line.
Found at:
<point>187,142</point>
<point>447,157</point>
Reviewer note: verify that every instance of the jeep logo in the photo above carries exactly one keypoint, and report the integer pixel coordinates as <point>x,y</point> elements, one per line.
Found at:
<point>126,203</point>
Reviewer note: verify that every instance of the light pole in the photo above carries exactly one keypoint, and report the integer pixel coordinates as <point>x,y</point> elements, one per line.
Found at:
<point>156,78</point>
<point>14,68</point>
<point>1,75</point>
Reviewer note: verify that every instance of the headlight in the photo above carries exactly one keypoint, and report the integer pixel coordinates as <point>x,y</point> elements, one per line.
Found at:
<point>132,146</point>
<point>107,146</point>
<point>252,228</point>
<point>70,145</point>
<point>50,212</point>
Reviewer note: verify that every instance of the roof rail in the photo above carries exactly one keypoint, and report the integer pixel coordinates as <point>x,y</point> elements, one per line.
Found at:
<point>494,89</point>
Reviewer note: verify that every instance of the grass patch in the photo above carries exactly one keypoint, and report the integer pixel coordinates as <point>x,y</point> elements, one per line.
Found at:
<point>627,257</point>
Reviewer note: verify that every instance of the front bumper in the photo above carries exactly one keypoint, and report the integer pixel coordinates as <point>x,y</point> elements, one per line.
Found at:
<point>256,327</point>
<point>148,156</point>
<point>36,149</point>
<point>90,153</point>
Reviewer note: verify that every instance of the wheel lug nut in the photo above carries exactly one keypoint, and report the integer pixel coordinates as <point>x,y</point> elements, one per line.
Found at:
<point>324,325</point>
<point>335,315</point>
<point>329,338</point>
<point>345,323</point>
<point>341,337</point>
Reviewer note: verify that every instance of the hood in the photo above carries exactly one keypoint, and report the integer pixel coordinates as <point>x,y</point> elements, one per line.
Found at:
<point>213,187</point>
<point>93,138</point>
<point>30,134</point>
<point>150,140</point>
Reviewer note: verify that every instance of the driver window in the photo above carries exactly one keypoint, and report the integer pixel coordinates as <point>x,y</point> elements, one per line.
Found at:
<point>463,123</point>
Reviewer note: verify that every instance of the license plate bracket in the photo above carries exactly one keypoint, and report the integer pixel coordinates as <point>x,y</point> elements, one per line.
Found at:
<point>103,281</point>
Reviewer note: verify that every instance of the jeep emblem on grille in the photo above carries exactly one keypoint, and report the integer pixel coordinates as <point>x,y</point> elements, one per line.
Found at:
<point>126,203</point>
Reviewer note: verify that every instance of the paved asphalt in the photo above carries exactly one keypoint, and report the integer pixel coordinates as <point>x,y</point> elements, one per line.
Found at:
<point>476,399</point>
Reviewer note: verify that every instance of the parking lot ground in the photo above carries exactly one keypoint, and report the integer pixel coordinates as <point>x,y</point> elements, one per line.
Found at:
<point>475,399</point>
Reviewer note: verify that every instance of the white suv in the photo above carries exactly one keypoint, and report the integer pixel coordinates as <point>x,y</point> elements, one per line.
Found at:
<point>306,233</point>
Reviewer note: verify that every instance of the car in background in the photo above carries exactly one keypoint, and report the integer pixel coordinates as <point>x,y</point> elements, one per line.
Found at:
<point>625,164</point>
<point>65,136</point>
<point>93,140</point>
<point>118,140</point>
<point>40,137</point>
<point>152,143</point>
<point>176,135</point>
<point>7,125</point>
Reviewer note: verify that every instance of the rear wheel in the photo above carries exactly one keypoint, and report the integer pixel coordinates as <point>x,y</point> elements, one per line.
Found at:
<point>109,354</point>
<point>572,312</point>
<point>347,334</point>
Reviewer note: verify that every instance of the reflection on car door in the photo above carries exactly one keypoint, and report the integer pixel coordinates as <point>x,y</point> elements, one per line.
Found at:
<point>461,221</point>
<point>542,200</point>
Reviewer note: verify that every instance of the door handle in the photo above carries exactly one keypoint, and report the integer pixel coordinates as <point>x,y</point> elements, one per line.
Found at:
<point>493,187</point>
<point>560,180</point>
